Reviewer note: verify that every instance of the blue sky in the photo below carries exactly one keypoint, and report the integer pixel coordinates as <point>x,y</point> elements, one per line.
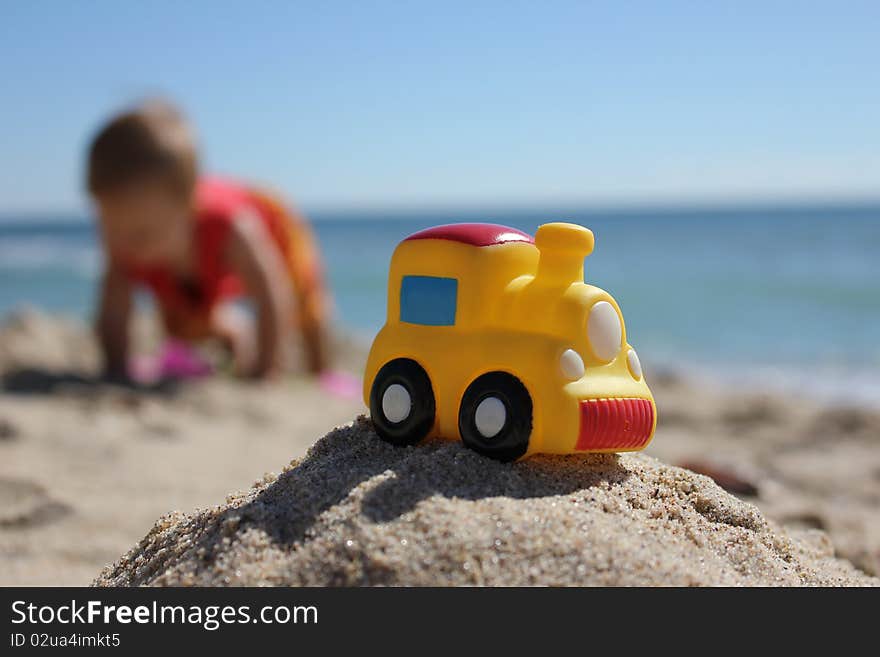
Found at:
<point>443,103</point>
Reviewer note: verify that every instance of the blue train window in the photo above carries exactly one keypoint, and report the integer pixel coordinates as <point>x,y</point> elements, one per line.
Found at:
<point>428,300</point>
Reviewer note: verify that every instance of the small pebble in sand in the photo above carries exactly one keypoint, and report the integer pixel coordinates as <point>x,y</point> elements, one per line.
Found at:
<point>8,432</point>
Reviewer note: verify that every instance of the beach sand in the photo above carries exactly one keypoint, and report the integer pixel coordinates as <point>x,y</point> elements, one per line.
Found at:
<point>86,470</point>
<point>357,511</point>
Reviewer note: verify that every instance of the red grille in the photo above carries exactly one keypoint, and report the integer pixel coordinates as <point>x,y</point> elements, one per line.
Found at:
<point>615,423</point>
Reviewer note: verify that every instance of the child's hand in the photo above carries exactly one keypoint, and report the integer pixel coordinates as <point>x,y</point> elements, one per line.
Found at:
<point>235,328</point>
<point>117,377</point>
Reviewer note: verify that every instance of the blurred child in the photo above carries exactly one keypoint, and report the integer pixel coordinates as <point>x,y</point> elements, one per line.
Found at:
<point>197,244</point>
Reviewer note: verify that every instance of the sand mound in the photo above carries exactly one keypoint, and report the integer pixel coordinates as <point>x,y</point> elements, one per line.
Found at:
<point>356,511</point>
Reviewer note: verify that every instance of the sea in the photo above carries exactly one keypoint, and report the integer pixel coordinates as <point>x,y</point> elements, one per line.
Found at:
<point>784,297</point>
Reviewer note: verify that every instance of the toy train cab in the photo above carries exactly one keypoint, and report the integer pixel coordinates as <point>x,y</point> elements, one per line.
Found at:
<point>493,337</point>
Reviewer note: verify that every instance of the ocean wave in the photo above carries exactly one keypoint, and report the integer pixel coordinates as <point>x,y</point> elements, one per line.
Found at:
<point>839,383</point>
<point>28,255</point>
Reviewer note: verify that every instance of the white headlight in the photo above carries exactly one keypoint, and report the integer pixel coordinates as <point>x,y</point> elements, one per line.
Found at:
<point>571,364</point>
<point>604,331</point>
<point>635,367</point>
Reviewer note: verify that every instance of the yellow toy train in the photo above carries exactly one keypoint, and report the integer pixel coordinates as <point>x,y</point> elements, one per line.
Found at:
<point>494,338</point>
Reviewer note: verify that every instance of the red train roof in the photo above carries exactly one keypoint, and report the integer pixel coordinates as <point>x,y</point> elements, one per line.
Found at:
<point>473,234</point>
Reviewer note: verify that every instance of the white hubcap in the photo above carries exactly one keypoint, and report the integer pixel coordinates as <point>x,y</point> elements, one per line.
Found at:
<point>490,417</point>
<point>396,403</point>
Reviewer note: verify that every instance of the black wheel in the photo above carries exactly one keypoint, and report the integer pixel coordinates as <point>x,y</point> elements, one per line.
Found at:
<point>402,402</point>
<point>495,418</point>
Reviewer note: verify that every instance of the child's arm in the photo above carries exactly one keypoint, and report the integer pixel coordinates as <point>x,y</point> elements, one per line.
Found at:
<point>256,258</point>
<point>112,321</point>
<point>314,337</point>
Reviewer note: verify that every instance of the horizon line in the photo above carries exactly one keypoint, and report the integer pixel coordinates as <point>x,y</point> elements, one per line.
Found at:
<point>401,210</point>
